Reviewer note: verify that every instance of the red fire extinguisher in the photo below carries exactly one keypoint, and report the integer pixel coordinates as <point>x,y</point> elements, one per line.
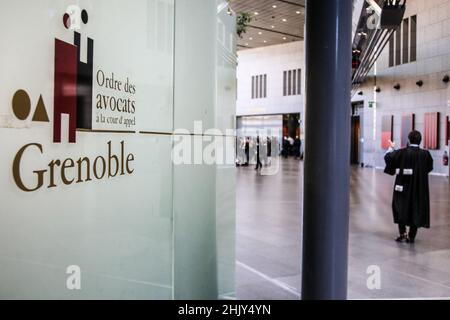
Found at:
<point>445,158</point>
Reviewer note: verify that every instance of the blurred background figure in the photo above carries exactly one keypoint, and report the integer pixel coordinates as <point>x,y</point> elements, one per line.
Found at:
<point>247,151</point>
<point>285,148</point>
<point>258,154</point>
<point>269,151</point>
<point>297,148</point>
<point>240,156</point>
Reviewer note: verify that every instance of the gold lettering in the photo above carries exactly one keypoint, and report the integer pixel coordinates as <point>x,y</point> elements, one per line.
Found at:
<point>108,166</point>
<point>67,164</point>
<point>16,170</point>
<point>130,158</point>
<point>88,169</point>
<point>99,177</point>
<point>52,165</point>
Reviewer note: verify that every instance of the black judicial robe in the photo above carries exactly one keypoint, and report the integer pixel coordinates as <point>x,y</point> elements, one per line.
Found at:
<point>411,200</point>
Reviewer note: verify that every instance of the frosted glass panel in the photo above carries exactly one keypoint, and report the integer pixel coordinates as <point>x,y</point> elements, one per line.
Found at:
<point>195,257</point>
<point>92,206</point>
<point>195,267</point>
<point>81,184</point>
<point>195,89</point>
<point>226,172</point>
<point>117,230</point>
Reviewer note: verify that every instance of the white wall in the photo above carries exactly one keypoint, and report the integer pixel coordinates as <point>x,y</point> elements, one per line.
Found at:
<point>273,61</point>
<point>433,63</point>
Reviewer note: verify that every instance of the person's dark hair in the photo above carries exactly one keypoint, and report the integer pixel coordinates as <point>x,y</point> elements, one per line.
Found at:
<point>415,137</point>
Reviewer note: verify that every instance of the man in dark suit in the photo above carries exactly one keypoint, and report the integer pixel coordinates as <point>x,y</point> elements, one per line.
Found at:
<point>411,200</point>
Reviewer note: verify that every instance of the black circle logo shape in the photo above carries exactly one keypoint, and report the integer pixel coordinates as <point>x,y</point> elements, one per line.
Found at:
<point>84,16</point>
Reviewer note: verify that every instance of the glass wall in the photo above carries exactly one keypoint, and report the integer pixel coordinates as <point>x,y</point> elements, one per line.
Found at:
<point>92,206</point>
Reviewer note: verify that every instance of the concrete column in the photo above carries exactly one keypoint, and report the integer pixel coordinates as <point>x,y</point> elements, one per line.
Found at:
<point>327,154</point>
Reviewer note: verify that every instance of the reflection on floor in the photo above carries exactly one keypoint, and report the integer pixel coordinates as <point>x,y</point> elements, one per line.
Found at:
<point>269,238</point>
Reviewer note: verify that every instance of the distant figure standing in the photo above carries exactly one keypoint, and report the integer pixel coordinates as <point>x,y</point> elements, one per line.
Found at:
<point>269,150</point>
<point>258,156</point>
<point>291,145</point>
<point>241,152</point>
<point>285,148</point>
<point>247,151</point>
<point>411,200</point>
<point>263,152</point>
<point>297,147</point>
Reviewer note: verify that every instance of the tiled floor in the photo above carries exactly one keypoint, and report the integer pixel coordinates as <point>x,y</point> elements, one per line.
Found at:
<point>269,238</point>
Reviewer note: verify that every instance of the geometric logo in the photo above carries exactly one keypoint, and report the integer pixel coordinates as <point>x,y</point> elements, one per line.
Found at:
<point>21,105</point>
<point>73,84</point>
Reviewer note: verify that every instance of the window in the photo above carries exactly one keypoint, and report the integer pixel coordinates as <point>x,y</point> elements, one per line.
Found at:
<point>405,40</point>
<point>292,81</point>
<point>253,87</point>
<point>403,44</point>
<point>289,83</point>
<point>294,84</point>
<point>259,86</point>
<point>391,51</point>
<point>413,53</point>
<point>398,47</point>
<point>265,86</point>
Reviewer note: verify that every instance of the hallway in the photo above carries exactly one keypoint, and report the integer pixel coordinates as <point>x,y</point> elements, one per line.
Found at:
<point>268,239</point>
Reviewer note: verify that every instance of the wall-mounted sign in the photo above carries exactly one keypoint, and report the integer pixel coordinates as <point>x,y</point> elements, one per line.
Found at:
<point>81,183</point>
<point>73,93</point>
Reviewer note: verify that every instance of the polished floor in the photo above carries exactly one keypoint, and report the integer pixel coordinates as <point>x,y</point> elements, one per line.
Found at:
<point>268,244</point>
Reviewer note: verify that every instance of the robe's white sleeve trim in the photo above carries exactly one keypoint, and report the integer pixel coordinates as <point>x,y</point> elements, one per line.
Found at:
<point>390,150</point>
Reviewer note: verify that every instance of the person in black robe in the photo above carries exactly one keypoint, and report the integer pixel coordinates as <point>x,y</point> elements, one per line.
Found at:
<point>297,147</point>
<point>269,151</point>
<point>269,147</point>
<point>285,148</point>
<point>258,155</point>
<point>411,199</point>
<point>247,151</point>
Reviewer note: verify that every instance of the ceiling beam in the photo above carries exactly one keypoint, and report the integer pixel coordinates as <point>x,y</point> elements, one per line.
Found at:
<point>291,3</point>
<point>274,31</point>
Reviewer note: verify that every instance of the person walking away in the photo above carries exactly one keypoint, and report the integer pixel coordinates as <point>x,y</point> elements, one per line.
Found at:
<point>263,151</point>
<point>258,156</point>
<point>269,150</point>
<point>285,148</point>
<point>240,154</point>
<point>291,145</point>
<point>297,146</point>
<point>411,199</point>
<point>247,151</point>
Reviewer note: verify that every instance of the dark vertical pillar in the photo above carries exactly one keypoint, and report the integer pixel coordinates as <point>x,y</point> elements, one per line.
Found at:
<point>327,155</point>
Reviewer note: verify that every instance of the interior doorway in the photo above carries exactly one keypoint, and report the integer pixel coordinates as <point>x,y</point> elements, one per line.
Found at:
<point>291,125</point>
<point>355,145</point>
<point>356,137</point>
